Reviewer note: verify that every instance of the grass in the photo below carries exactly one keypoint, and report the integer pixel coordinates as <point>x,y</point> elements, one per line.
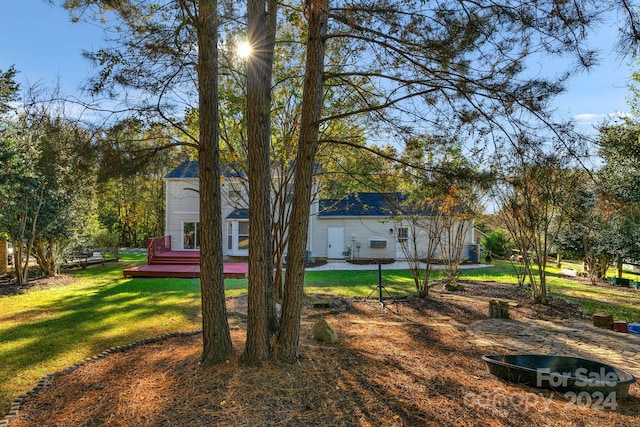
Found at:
<point>48,329</point>
<point>622,303</point>
<point>45,330</point>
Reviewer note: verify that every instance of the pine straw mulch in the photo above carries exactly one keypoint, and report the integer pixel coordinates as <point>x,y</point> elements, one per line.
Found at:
<point>413,367</point>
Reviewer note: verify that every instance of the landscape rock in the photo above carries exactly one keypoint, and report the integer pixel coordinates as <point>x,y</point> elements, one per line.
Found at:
<point>324,332</point>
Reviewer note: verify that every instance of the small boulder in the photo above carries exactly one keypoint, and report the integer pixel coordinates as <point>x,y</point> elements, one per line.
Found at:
<point>323,331</point>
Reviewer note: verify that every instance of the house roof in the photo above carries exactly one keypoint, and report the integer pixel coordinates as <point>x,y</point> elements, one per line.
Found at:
<point>362,204</point>
<point>186,169</point>
<point>358,204</point>
<point>375,204</point>
<point>239,213</point>
<point>190,169</point>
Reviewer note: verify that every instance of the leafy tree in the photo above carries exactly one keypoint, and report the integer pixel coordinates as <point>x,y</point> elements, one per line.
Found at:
<point>580,237</point>
<point>424,223</point>
<point>285,120</point>
<point>8,89</point>
<point>46,180</point>
<point>444,65</point>
<point>618,181</point>
<point>348,169</point>
<point>164,53</point>
<point>130,180</point>
<point>458,222</point>
<point>619,148</point>
<point>594,232</point>
<point>443,181</point>
<point>534,208</point>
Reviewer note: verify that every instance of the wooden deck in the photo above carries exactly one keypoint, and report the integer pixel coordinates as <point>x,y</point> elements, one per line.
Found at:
<point>184,264</point>
<point>231,271</point>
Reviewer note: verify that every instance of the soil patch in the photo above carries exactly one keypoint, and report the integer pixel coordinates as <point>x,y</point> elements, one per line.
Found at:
<point>8,284</point>
<point>406,364</point>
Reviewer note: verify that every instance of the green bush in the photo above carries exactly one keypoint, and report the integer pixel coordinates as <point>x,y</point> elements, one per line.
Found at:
<point>498,242</point>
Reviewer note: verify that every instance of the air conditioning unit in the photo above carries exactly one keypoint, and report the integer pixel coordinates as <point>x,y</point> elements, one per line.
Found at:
<point>377,243</point>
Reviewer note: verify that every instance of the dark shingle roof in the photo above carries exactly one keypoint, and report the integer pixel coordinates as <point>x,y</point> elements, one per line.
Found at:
<point>190,169</point>
<point>376,204</point>
<point>186,169</point>
<point>362,204</point>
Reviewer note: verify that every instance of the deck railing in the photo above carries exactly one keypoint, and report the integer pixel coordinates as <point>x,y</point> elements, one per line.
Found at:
<point>157,245</point>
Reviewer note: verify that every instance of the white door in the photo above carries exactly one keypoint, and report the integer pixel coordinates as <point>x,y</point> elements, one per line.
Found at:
<point>335,237</point>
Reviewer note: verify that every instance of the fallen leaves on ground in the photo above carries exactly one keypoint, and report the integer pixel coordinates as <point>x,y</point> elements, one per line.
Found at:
<point>409,363</point>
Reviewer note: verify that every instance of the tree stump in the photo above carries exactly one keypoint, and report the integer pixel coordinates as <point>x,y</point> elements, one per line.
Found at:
<point>603,320</point>
<point>498,309</point>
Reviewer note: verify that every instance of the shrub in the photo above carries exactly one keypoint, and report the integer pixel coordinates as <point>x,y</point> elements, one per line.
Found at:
<point>498,242</point>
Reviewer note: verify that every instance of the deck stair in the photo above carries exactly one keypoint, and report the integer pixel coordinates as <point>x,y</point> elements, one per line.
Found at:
<point>175,258</point>
<point>163,262</point>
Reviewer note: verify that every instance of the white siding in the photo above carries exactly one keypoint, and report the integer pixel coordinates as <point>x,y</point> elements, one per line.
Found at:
<point>182,205</point>
<point>358,232</point>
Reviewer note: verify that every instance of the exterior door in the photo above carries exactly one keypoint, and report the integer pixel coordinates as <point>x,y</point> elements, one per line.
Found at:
<point>190,236</point>
<point>335,237</point>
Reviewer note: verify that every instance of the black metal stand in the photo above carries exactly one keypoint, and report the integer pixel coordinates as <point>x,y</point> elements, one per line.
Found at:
<point>380,288</point>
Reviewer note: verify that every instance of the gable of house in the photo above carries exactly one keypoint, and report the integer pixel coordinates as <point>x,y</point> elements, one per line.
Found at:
<point>182,220</point>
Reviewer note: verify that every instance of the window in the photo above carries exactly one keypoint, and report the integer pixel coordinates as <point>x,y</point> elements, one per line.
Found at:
<point>235,197</point>
<point>243,236</point>
<point>377,243</point>
<point>238,237</point>
<point>191,235</point>
<point>403,234</point>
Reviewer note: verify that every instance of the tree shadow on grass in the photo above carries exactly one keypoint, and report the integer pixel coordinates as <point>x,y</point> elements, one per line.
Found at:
<point>77,325</point>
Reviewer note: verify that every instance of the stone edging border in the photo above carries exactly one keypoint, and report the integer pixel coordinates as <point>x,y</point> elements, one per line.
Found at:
<point>17,403</point>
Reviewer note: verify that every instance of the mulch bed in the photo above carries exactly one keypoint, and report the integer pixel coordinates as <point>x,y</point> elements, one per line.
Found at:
<point>409,365</point>
<point>8,284</point>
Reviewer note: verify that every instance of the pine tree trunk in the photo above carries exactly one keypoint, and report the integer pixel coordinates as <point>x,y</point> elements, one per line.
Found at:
<point>261,38</point>
<point>216,336</point>
<point>317,14</point>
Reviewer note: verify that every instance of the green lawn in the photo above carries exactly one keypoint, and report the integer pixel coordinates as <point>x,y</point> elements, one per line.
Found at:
<point>622,303</point>
<point>46,330</point>
<point>43,331</point>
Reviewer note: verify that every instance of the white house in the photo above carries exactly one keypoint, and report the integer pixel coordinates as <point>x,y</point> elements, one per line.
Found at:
<point>359,226</point>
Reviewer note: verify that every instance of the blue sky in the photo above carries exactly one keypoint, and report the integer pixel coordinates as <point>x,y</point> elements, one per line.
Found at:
<point>43,44</point>
<point>46,47</point>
